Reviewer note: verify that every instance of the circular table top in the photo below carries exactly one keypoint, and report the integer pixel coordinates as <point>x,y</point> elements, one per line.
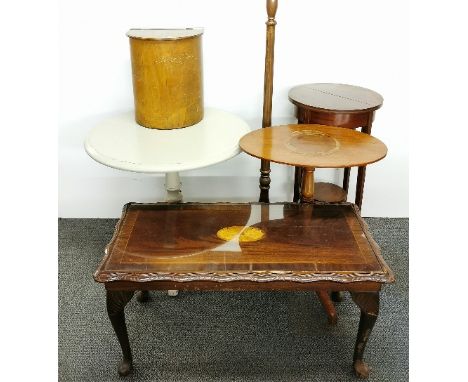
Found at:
<point>313,146</point>
<point>121,143</point>
<point>335,97</point>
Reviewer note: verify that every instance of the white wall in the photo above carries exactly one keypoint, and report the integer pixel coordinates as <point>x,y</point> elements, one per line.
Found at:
<point>362,42</point>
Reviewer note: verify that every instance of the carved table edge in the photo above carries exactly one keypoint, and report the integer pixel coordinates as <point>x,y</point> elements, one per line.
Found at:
<point>303,277</point>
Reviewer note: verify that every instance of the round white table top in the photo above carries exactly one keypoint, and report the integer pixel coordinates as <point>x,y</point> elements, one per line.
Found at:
<point>121,143</point>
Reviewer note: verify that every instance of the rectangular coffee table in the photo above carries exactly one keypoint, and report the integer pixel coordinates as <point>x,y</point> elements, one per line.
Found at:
<point>242,247</point>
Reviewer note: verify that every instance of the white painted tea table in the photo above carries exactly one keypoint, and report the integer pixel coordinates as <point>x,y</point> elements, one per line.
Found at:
<point>119,142</point>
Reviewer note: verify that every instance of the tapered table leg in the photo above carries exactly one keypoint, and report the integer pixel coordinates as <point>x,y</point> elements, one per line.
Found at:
<point>347,172</point>
<point>297,184</point>
<point>361,177</point>
<point>307,187</point>
<point>368,302</point>
<point>116,302</point>
<point>324,298</point>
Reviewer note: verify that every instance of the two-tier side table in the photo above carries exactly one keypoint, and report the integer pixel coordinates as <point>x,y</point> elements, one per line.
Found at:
<point>340,105</point>
<point>313,146</point>
<point>257,246</point>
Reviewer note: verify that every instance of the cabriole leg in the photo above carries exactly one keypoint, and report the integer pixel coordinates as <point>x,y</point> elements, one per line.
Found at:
<point>368,302</point>
<point>116,302</point>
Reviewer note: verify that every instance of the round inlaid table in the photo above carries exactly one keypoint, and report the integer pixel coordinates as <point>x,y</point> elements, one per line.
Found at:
<point>119,142</point>
<point>338,105</point>
<point>313,146</point>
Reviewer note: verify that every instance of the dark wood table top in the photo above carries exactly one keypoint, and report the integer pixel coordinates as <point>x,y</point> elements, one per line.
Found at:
<point>335,97</point>
<point>314,146</point>
<point>255,242</point>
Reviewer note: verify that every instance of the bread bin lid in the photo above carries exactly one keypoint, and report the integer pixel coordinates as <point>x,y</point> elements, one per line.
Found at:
<point>164,34</point>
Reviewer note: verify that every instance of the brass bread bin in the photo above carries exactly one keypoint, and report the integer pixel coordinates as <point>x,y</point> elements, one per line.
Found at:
<point>167,77</point>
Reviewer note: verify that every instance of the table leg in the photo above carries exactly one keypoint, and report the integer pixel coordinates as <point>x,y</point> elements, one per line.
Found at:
<point>360,185</point>
<point>297,184</point>
<point>361,176</point>
<point>324,298</point>
<point>307,196</point>
<point>336,296</point>
<point>346,174</point>
<point>368,302</point>
<point>173,194</point>
<point>173,187</point>
<point>116,301</point>
<point>307,188</point>
<point>143,296</point>
<point>264,181</point>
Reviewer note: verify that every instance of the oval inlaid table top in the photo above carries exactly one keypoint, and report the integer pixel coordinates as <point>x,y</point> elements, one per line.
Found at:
<point>335,97</point>
<point>313,146</point>
<point>121,143</point>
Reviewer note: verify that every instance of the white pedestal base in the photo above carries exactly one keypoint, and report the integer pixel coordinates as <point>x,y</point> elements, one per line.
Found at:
<point>173,194</point>
<point>173,187</point>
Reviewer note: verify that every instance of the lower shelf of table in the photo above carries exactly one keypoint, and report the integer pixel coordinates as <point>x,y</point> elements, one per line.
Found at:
<point>329,193</point>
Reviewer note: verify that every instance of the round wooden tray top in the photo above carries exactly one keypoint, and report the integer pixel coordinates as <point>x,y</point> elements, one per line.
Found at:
<point>335,97</point>
<point>313,146</point>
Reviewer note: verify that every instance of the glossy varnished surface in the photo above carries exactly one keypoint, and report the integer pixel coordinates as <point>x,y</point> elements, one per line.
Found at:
<point>335,97</point>
<point>313,146</point>
<point>300,243</point>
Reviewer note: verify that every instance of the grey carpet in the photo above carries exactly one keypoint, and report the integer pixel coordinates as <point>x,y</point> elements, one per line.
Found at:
<point>220,336</point>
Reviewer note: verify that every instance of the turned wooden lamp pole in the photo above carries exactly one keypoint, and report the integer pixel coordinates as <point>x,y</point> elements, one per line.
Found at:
<point>265,180</point>
<point>307,187</point>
